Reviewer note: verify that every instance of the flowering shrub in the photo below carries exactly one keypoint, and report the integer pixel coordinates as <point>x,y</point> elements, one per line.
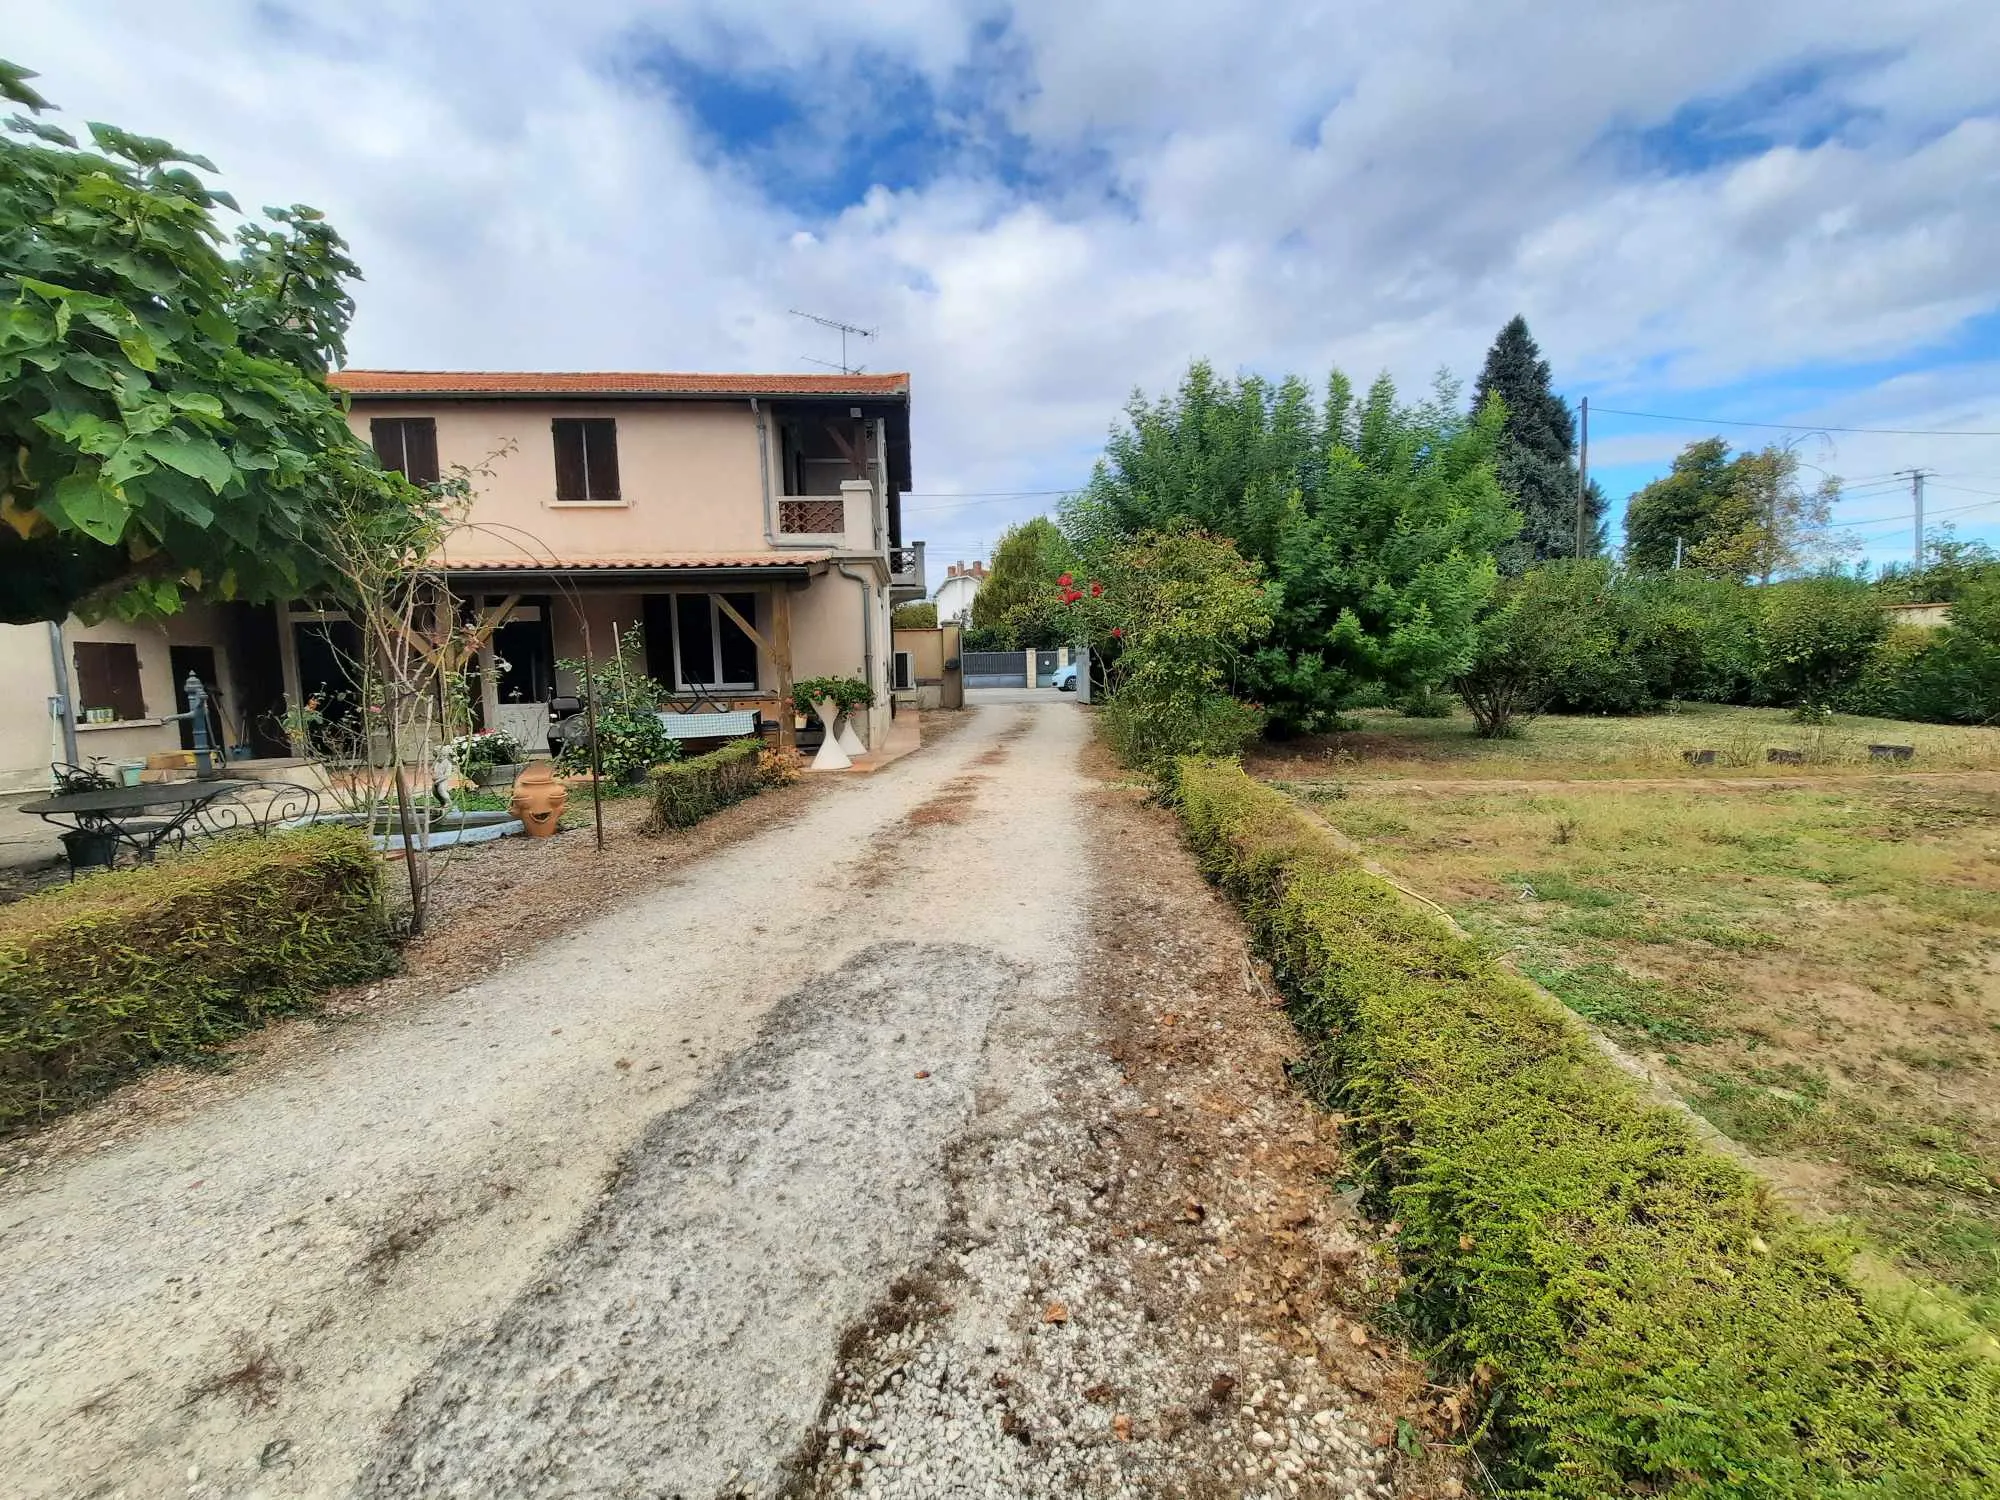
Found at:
<point>488,747</point>
<point>1169,617</point>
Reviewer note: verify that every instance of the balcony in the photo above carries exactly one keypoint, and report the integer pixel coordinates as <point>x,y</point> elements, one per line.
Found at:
<point>815,515</point>
<point>906,573</point>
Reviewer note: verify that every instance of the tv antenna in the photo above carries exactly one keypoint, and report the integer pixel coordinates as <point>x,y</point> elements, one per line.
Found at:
<point>844,329</point>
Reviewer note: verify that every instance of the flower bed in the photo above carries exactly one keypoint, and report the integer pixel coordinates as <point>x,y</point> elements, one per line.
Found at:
<point>1642,1319</point>
<point>128,968</point>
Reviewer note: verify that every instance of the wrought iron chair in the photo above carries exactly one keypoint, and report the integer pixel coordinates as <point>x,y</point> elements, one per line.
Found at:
<point>256,810</point>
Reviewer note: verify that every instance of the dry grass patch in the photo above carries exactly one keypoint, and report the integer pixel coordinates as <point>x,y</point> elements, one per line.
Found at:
<point>1818,971</point>
<point>1392,746</point>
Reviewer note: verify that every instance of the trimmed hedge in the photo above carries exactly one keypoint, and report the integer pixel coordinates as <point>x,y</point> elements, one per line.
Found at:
<point>1644,1320</point>
<point>100,978</point>
<point>687,791</point>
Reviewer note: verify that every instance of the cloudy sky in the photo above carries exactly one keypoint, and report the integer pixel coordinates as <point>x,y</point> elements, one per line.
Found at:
<point>1785,213</point>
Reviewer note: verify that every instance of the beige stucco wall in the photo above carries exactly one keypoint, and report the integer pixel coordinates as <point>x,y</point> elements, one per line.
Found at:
<point>28,736</point>
<point>30,739</point>
<point>689,478</point>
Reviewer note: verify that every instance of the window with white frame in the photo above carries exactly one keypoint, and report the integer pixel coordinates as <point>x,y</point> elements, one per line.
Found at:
<point>906,672</point>
<point>710,649</point>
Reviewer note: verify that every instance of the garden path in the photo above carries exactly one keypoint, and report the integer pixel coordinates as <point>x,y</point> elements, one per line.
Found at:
<point>610,1220</point>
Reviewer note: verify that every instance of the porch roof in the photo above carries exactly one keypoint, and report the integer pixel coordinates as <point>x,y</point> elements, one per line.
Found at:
<point>523,572</point>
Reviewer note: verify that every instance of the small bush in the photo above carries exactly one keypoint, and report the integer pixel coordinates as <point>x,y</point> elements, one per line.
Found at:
<point>1643,1318</point>
<point>102,978</point>
<point>919,616</point>
<point>1148,733</point>
<point>686,792</point>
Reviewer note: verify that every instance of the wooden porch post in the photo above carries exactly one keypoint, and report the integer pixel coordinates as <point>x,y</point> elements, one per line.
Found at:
<point>781,662</point>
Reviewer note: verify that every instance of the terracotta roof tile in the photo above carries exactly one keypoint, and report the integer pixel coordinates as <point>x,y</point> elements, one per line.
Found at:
<point>609,383</point>
<point>653,563</point>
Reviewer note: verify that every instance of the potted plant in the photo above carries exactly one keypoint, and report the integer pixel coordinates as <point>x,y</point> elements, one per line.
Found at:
<point>491,757</point>
<point>834,699</point>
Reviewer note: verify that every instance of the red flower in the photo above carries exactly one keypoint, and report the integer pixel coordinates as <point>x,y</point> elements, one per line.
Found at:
<point>1096,590</point>
<point>1117,632</point>
<point>1064,582</point>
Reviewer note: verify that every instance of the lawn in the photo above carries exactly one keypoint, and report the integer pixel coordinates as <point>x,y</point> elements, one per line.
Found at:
<point>1388,744</point>
<point>1816,967</point>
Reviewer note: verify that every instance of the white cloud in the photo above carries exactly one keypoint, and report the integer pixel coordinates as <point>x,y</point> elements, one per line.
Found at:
<point>1377,185</point>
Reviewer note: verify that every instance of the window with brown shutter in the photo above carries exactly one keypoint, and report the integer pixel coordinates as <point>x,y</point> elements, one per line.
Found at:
<point>107,676</point>
<point>409,445</point>
<point>586,458</point>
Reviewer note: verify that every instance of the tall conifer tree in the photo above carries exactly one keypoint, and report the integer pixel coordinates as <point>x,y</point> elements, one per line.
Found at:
<point>1536,464</point>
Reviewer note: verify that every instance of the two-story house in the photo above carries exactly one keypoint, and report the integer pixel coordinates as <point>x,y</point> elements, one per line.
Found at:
<point>687,506</point>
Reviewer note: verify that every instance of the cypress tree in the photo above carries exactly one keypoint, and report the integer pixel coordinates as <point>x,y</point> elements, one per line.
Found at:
<point>1536,463</point>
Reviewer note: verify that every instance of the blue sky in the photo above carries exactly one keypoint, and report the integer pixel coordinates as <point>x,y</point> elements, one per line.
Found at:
<point>1784,214</point>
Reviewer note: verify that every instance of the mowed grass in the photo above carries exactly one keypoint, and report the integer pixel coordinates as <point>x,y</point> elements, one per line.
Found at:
<point>1817,969</point>
<point>1388,745</point>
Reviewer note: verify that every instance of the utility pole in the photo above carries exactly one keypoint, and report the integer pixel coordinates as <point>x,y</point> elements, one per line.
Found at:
<point>844,329</point>
<point>1583,475</point>
<point>1916,478</point>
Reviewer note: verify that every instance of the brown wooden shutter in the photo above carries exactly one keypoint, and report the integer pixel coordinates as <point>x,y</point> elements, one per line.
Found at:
<point>601,433</point>
<point>570,484</point>
<point>386,433</point>
<point>420,450</point>
<point>107,676</point>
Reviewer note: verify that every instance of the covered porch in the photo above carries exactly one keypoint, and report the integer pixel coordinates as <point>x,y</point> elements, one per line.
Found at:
<point>720,635</point>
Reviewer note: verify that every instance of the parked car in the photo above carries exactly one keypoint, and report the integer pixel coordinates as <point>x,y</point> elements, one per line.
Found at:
<point>1066,678</point>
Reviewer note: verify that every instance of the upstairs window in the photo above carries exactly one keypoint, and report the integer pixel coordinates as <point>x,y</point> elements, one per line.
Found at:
<point>409,445</point>
<point>586,458</point>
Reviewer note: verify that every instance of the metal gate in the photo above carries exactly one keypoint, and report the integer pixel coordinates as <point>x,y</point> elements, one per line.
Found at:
<point>991,669</point>
<point>1046,663</point>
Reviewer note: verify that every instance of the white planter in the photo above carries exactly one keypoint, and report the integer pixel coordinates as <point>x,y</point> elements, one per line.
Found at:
<point>831,756</point>
<point>849,740</point>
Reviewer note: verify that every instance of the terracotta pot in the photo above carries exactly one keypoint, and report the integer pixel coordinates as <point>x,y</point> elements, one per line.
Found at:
<point>538,799</point>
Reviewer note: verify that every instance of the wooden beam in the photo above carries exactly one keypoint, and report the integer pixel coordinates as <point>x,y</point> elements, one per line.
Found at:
<point>722,603</point>
<point>854,452</point>
<point>781,663</point>
<point>491,619</point>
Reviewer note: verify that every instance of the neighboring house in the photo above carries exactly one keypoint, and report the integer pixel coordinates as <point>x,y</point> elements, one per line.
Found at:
<point>687,506</point>
<point>954,594</point>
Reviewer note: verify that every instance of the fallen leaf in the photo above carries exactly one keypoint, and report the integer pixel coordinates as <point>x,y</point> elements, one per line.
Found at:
<point>1358,1336</point>
<point>1121,1428</point>
<point>1055,1312</point>
<point>1100,1393</point>
<point>923,1075</point>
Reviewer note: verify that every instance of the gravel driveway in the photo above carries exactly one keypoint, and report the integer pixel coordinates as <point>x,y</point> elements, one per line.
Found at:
<point>667,1205</point>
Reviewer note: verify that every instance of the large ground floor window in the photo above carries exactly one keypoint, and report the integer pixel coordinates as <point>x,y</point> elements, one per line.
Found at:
<point>709,650</point>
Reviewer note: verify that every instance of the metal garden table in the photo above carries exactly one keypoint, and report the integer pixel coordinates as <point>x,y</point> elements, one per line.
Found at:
<point>140,817</point>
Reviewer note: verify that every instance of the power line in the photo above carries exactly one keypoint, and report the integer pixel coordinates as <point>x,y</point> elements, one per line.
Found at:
<point>1661,416</point>
<point>1901,521</point>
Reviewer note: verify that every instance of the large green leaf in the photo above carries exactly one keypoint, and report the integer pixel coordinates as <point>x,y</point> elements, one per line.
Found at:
<point>197,457</point>
<point>88,504</point>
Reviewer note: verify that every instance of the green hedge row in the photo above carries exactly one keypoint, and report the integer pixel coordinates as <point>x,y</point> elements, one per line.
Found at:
<point>1649,1322</point>
<point>100,978</point>
<point>687,791</point>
